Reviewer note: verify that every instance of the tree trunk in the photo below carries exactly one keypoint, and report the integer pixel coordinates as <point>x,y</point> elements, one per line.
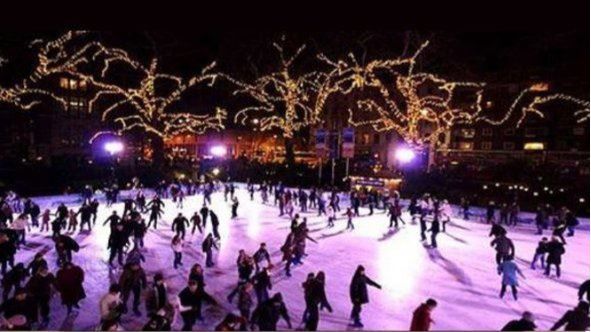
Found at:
<point>289,153</point>
<point>157,145</point>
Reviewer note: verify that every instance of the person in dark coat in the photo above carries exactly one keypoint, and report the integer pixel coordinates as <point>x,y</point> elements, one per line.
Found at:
<point>178,225</point>
<point>157,297</point>
<point>13,279</point>
<point>504,248</point>
<point>262,285</point>
<point>215,223</point>
<point>190,303</point>
<point>20,304</point>
<point>497,230</point>
<point>7,252</point>
<point>40,288</point>
<point>267,314</point>
<point>117,241</point>
<point>156,207</point>
<point>37,262</point>
<point>571,223</point>
<point>235,204</point>
<point>260,255</point>
<point>69,282</point>
<point>434,230</point>
<point>113,220</point>
<point>526,323</point>
<point>358,293</point>
<point>94,210</point>
<point>64,245</point>
<point>207,247</point>
<point>85,213</point>
<point>421,317</point>
<point>584,289</point>
<point>541,250</point>
<point>133,279</point>
<point>576,319</point>
<point>232,322</point>
<point>196,220</point>
<point>204,211</point>
<point>555,251</point>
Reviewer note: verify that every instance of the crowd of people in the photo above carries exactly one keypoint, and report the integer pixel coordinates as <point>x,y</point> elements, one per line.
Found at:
<point>28,286</point>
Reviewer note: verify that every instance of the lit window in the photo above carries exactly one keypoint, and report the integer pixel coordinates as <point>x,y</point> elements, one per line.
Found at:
<point>64,83</point>
<point>467,133</point>
<point>533,146</point>
<point>486,145</point>
<point>465,145</point>
<point>73,84</point>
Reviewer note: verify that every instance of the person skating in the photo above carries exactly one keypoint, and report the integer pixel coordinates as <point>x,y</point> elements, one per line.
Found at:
<point>245,302</point>
<point>128,206</point>
<point>117,241</point>
<point>526,323</point>
<point>514,214</point>
<point>541,250</point>
<point>349,213</point>
<point>267,314</point>
<point>421,317</point>
<point>509,270</point>
<point>504,248</point>
<point>45,220</point>
<point>177,249</point>
<point>7,252</point>
<point>178,225</point>
<point>190,303</point>
<point>69,283</point>
<point>139,232</point>
<point>332,216</point>
<point>156,207</point>
<point>21,304</point>
<point>584,289</point>
<point>13,280</point>
<point>559,229</point>
<point>434,230</point>
<point>132,280</point>
<point>541,220</point>
<point>21,226</point>
<point>235,204</point>
<point>140,201</point>
<point>72,221</point>
<point>196,221</point>
<point>204,211</point>
<point>245,265</point>
<point>207,247</point>
<point>576,319</point>
<point>94,210</point>
<point>555,251</point>
<point>110,304</point>
<point>465,204</point>
<point>113,220</point>
<point>262,284</point>
<point>157,295</point>
<point>490,213</point>
<point>40,288</point>
<point>160,320</point>
<point>215,223</point>
<point>36,263</point>
<point>85,213</point>
<point>64,246</point>
<point>571,223</point>
<point>33,210</point>
<point>358,293</point>
<point>497,230</point>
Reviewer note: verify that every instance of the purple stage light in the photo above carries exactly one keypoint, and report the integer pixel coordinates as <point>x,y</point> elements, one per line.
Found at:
<point>404,155</point>
<point>113,147</point>
<point>218,151</point>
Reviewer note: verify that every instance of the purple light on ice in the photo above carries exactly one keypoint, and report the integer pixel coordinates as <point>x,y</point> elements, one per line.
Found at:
<point>218,151</point>
<point>404,155</point>
<point>113,147</point>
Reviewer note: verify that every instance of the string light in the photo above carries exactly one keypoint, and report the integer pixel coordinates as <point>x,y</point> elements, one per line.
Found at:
<point>284,100</point>
<point>149,105</point>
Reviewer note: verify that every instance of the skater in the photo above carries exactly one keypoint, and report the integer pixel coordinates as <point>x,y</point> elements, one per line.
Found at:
<point>509,270</point>
<point>514,214</point>
<point>20,305</point>
<point>140,201</point>
<point>7,252</point>
<point>110,304</point>
<point>13,279</point>
<point>504,248</point>
<point>465,204</point>
<point>207,247</point>
<point>555,251</point>
<point>113,220</point>
<point>559,229</point>
<point>64,245</point>
<point>157,296</point>
<point>94,210</point>
<point>421,317</point>
<point>21,225</point>
<point>541,220</point>
<point>36,263</point>
<point>434,230</point>
<point>332,216</point>
<point>576,319</point>
<point>178,225</point>
<point>349,215</point>
<point>128,206</point>
<point>215,223</point>
<point>204,213</point>
<point>72,221</point>
<point>85,213</point>
<point>262,285</point>
<point>526,323</point>
<point>497,230</point>
<point>267,314</point>
<point>235,207</point>
<point>196,220</point>
<point>45,218</point>
<point>190,302</point>
<point>541,250</point>
<point>69,283</point>
<point>446,213</point>
<point>40,288</point>
<point>262,255</point>
<point>571,223</point>
<point>490,213</point>
<point>139,231</point>
<point>133,279</point>
<point>156,207</point>
<point>245,265</point>
<point>358,293</point>
<point>177,249</point>
<point>117,241</point>
<point>413,209</point>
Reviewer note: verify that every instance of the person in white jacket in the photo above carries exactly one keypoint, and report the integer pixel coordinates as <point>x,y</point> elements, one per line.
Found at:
<point>111,304</point>
<point>21,225</point>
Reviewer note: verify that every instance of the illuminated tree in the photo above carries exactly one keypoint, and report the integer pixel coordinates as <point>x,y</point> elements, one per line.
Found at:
<point>129,94</point>
<point>284,100</point>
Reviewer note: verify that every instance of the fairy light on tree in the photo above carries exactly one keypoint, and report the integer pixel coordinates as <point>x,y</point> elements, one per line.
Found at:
<point>284,100</point>
<point>143,102</point>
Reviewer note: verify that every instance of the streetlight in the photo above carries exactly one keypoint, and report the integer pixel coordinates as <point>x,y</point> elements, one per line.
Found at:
<point>218,151</point>
<point>404,155</point>
<point>113,148</point>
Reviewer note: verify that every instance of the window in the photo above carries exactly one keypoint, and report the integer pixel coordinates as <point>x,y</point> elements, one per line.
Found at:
<point>487,132</point>
<point>508,146</point>
<point>486,145</point>
<point>72,84</point>
<point>509,132</point>
<point>365,139</point>
<point>465,145</point>
<point>467,133</point>
<point>533,146</point>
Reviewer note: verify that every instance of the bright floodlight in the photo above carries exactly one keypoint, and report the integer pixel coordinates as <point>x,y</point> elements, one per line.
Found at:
<point>216,171</point>
<point>113,147</point>
<point>404,155</point>
<point>218,151</point>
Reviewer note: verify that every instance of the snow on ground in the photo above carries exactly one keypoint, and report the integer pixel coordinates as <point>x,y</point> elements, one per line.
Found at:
<point>460,274</point>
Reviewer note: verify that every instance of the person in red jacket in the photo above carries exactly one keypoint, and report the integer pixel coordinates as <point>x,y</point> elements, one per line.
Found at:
<point>421,317</point>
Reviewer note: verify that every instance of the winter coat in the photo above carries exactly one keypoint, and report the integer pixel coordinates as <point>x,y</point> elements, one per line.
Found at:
<point>14,276</point>
<point>358,288</point>
<point>244,300</point>
<point>117,239</point>
<point>421,319</point>
<point>108,304</point>
<point>26,307</point>
<point>262,281</point>
<point>497,230</point>
<point>7,250</point>
<point>555,252</point>
<point>267,314</point>
<point>130,278</point>
<point>40,286</point>
<point>509,271</point>
<point>156,298</point>
<point>503,245</point>
<point>542,248</point>
<point>69,282</point>
<point>519,325</point>
<point>69,243</point>
<point>575,320</point>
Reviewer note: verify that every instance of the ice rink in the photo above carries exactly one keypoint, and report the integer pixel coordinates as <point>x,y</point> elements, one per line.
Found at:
<point>461,274</point>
